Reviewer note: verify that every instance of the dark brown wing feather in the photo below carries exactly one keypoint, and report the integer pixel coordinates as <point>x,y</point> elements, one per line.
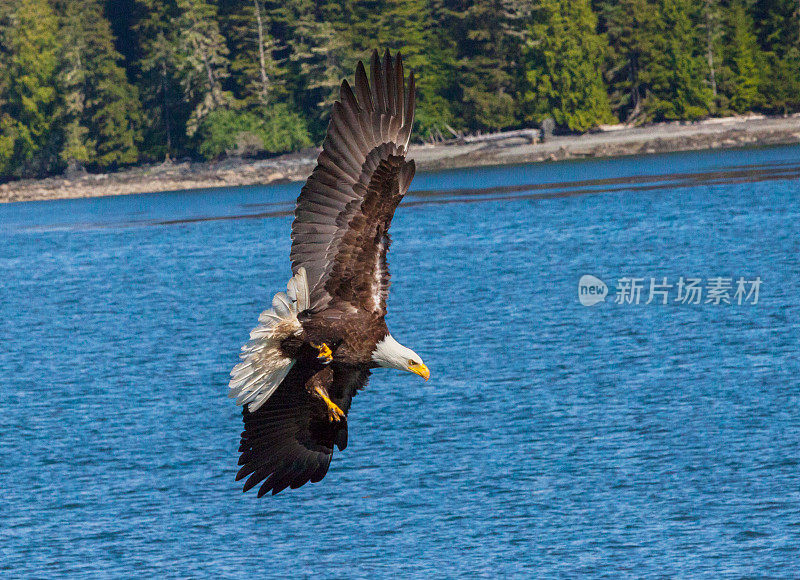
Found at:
<point>340,232</point>
<point>289,441</point>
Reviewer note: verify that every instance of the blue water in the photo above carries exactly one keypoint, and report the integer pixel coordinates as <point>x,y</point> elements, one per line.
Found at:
<point>553,439</point>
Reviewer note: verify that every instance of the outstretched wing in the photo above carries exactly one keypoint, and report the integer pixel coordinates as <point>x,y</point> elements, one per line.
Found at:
<point>340,231</point>
<point>289,440</point>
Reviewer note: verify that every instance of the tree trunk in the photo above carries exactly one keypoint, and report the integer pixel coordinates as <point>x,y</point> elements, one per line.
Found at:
<point>710,49</point>
<point>261,56</point>
<point>212,81</point>
<point>636,96</point>
<point>165,106</point>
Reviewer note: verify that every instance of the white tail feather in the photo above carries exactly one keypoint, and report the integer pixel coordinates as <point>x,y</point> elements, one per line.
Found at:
<point>264,365</point>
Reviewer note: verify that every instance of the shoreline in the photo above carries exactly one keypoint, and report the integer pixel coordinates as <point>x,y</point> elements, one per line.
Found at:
<point>507,148</point>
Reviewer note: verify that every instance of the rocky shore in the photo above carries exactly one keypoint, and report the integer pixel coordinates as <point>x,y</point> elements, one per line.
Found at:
<point>495,149</point>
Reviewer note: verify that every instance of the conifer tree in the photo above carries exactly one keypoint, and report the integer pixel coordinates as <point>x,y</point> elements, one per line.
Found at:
<point>253,76</point>
<point>744,60</point>
<point>101,113</point>
<point>488,60</point>
<point>676,73</point>
<point>257,74</point>
<point>564,56</point>
<point>202,60</point>
<point>158,77</point>
<point>78,148</point>
<point>631,26</point>
<point>319,55</point>
<point>778,33</point>
<point>778,25</point>
<point>320,50</point>
<point>412,27</point>
<point>359,21</point>
<point>712,24</point>
<point>30,100</point>
<point>7,137</point>
<point>262,118</point>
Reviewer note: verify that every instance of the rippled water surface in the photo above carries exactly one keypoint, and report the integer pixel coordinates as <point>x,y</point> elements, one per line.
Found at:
<point>552,439</point>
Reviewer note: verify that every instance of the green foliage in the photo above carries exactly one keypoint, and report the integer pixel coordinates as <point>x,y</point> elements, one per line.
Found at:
<point>202,59</point>
<point>487,61</point>
<point>204,78</point>
<point>101,113</point>
<point>782,92</point>
<point>778,25</point>
<point>246,133</point>
<point>258,77</point>
<point>745,61</point>
<point>405,26</point>
<point>158,77</point>
<point>563,66</point>
<point>30,99</point>
<point>778,32</point>
<point>631,26</point>
<point>320,55</point>
<point>676,74</point>
<point>78,148</point>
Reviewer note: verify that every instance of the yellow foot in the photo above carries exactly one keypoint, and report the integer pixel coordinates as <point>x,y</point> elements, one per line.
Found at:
<point>335,414</point>
<point>325,353</point>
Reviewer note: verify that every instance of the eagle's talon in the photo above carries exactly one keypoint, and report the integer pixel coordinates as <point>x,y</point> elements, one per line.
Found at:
<point>325,354</point>
<point>335,414</point>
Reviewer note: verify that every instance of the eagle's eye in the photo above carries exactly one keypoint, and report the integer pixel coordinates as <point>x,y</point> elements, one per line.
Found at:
<point>412,362</point>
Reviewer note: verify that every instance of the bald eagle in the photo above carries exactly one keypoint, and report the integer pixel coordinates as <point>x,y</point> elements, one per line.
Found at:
<point>315,348</point>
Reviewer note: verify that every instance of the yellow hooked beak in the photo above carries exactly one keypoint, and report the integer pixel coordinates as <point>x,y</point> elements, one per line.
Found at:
<point>420,370</point>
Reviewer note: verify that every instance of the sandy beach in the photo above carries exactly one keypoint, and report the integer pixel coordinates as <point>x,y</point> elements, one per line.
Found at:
<point>494,149</point>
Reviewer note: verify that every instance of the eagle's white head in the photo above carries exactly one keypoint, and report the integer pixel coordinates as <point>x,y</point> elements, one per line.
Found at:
<point>391,354</point>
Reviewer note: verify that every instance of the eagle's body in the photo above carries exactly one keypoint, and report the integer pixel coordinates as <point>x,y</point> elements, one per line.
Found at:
<point>316,347</point>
